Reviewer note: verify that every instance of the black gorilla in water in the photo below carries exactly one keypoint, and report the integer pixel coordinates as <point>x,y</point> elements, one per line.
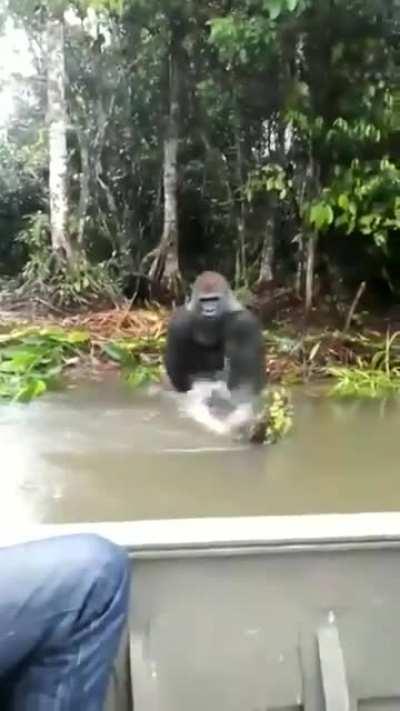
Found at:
<point>215,334</point>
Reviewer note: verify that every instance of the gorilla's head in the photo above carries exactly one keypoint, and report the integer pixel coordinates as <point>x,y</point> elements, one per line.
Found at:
<point>212,296</point>
<point>211,300</point>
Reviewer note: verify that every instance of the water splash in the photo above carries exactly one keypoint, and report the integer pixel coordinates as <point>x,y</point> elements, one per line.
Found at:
<point>210,404</point>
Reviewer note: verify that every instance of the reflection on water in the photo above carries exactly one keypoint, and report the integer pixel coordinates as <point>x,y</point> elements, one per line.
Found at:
<point>102,452</point>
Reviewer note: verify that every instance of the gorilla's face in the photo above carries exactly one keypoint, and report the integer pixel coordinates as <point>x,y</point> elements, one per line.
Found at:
<point>211,300</point>
<point>211,306</point>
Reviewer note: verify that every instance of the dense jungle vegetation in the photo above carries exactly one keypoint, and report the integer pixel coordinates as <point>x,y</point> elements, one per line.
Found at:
<point>155,138</point>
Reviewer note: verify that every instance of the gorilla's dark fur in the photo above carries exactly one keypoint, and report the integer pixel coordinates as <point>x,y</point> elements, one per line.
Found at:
<point>212,334</point>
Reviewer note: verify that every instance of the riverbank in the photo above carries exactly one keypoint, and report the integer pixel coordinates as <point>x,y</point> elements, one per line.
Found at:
<point>133,339</point>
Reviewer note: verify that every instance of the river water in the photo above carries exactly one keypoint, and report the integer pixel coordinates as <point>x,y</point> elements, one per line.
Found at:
<point>101,452</point>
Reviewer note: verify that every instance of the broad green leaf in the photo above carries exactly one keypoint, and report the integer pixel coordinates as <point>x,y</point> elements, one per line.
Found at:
<point>274,8</point>
<point>21,363</point>
<point>115,352</point>
<point>141,375</point>
<point>352,208</point>
<point>69,337</point>
<point>343,201</point>
<point>321,215</point>
<point>137,377</point>
<point>31,389</point>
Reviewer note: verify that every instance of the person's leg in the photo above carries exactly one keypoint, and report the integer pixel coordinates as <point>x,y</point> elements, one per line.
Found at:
<point>63,604</point>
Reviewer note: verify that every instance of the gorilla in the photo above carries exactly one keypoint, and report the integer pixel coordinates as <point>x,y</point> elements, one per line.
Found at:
<point>214,335</point>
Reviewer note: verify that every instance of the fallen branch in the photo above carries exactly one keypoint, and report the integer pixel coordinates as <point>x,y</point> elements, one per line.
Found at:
<point>49,306</point>
<point>354,305</point>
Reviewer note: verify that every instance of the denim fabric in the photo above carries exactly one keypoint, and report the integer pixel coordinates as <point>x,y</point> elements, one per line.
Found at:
<point>63,604</point>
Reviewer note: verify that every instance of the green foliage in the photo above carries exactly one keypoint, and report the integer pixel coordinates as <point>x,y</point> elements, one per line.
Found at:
<point>364,198</point>
<point>142,375</point>
<point>116,352</point>
<point>140,359</point>
<point>275,419</point>
<point>123,350</point>
<point>251,29</point>
<point>63,283</point>
<point>270,178</point>
<point>80,283</point>
<point>19,171</point>
<point>114,5</point>
<point>360,131</point>
<point>240,38</point>
<point>364,382</point>
<point>378,378</point>
<point>280,414</point>
<point>32,360</point>
<point>36,238</point>
<point>268,88</point>
<point>320,216</point>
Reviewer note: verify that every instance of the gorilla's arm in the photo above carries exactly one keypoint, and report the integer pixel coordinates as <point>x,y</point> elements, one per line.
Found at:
<point>178,350</point>
<point>245,352</point>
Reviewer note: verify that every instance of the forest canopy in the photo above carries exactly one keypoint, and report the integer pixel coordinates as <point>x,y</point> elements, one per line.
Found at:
<point>162,137</point>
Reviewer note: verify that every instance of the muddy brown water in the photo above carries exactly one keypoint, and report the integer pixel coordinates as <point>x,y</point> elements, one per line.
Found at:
<point>100,452</point>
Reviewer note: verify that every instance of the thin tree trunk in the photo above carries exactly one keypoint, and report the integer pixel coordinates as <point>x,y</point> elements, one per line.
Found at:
<point>311,187</point>
<point>310,261</point>
<point>353,306</point>
<point>241,270</point>
<point>242,241</point>
<point>84,194</point>
<point>170,230</point>
<point>241,275</point>
<point>266,273</point>
<point>299,267</point>
<point>238,270</point>
<point>165,266</point>
<point>57,123</point>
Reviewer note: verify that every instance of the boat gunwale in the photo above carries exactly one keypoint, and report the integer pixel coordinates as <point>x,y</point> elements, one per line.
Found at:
<point>230,536</point>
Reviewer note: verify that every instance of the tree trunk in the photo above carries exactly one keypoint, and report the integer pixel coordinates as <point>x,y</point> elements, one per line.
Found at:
<point>267,255</point>
<point>57,124</point>
<point>310,261</point>
<point>84,194</point>
<point>165,266</point>
<point>111,217</point>
<point>170,181</point>
<point>298,284</point>
<point>311,188</point>
<point>241,269</point>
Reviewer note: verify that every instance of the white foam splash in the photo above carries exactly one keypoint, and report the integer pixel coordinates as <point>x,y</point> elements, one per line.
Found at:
<point>196,406</point>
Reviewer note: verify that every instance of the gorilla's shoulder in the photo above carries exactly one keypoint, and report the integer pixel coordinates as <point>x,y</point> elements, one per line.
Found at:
<point>244,318</point>
<point>180,324</point>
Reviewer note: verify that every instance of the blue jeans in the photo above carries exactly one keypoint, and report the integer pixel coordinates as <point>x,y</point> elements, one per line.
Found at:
<point>63,604</point>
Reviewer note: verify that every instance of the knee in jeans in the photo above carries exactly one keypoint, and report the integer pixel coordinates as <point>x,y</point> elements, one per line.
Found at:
<point>101,553</point>
<point>99,558</point>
